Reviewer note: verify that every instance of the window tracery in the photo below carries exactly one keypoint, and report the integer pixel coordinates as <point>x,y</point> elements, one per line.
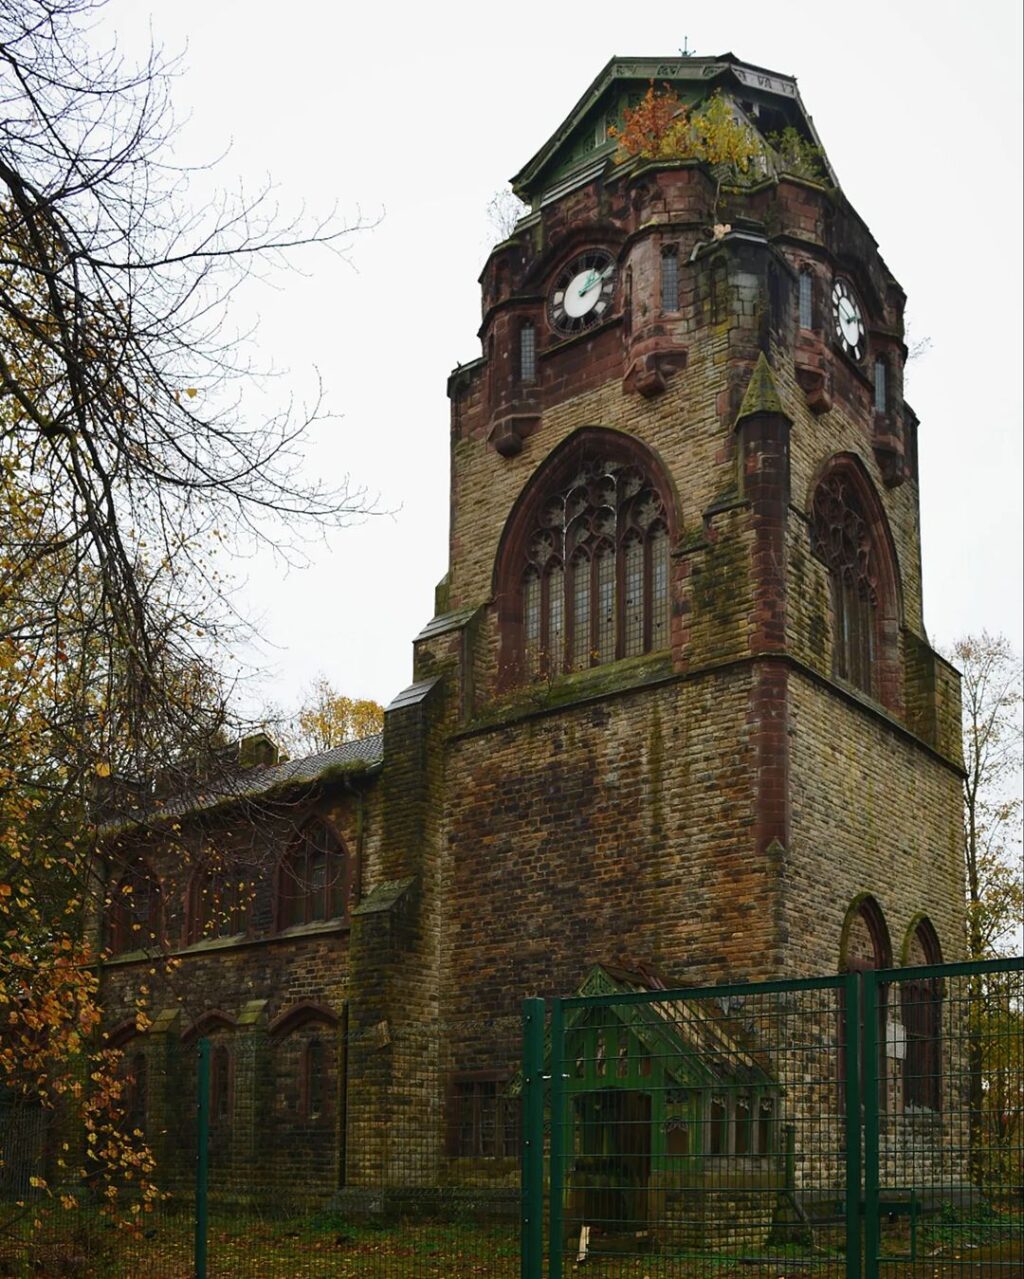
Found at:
<point>594,584</point>
<point>840,536</point>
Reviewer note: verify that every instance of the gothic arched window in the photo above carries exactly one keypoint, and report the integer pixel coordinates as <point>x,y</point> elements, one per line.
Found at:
<point>220,898</point>
<point>865,947</point>
<point>313,879</point>
<point>849,533</point>
<point>921,1007</point>
<point>134,909</point>
<point>220,1085</point>
<point>587,569</point>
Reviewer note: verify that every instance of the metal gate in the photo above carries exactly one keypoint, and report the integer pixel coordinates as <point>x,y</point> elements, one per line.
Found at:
<point>856,1125</point>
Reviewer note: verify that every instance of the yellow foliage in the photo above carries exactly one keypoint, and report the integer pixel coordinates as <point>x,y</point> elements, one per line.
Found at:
<point>330,718</point>
<point>661,127</point>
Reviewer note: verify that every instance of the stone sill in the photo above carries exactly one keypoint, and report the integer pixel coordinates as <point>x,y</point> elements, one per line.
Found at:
<point>576,689</point>
<point>239,941</point>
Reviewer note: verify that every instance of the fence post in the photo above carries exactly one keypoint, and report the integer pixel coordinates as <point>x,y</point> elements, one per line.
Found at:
<point>557,1067</point>
<point>871,1084</point>
<point>850,1032</point>
<point>202,1153</point>
<point>532,1208</point>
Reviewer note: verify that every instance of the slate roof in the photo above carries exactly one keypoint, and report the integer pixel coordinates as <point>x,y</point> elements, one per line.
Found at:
<point>252,783</point>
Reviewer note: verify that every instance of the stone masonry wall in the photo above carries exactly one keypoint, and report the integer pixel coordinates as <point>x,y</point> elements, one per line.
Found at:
<point>871,813</point>
<point>614,831</point>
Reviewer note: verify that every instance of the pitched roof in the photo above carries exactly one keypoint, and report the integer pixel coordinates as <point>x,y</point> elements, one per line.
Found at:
<point>358,757</point>
<point>688,74</point>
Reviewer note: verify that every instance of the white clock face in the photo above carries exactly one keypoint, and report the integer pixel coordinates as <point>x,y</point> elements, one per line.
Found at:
<point>847,320</point>
<point>583,292</point>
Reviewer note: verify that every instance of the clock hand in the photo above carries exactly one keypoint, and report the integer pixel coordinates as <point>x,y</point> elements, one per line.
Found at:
<point>591,280</point>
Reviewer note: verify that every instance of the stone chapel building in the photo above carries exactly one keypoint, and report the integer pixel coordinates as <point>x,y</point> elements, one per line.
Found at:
<point>676,711</point>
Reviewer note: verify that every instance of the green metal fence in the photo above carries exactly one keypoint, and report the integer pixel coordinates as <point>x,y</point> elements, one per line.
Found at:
<point>943,1114</point>
<point>866,1124</point>
<point>850,1127</point>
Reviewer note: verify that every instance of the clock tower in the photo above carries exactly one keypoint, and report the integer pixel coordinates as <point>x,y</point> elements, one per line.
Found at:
<point>689,716</point>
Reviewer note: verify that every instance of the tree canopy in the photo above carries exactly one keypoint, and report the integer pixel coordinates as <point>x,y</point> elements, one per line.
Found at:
<point>129,459</point>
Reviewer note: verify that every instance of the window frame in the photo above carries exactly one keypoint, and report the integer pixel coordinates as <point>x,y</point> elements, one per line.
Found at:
<point>805,295</point>
<point>727,1098</point>
<point>589,447</point>
<point>867,909</point>
<point>527,353</point>
<point>314,1114</point>
<point>865,613</point>
<point>922,1062</point>
<point>221,1085</point>
<point>136,1108</point>
<point>338,906</point>
<point>506,1121</point>
<point>213,869</point>
<point>880,385</point>
<point>124,930</point>
<point>669,279</point>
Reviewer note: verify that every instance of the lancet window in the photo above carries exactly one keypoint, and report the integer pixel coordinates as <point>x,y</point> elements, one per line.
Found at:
<point>313,881</point>
<point>134,910</point>
<point>841,536</point>
<point>921,1007</point>
<point>595,581</point>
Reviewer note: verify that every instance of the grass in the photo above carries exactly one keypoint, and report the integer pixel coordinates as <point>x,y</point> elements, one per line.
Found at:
<point>325,1247</point>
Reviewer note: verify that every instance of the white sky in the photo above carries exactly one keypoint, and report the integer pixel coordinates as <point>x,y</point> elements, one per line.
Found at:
<point>424,111</point>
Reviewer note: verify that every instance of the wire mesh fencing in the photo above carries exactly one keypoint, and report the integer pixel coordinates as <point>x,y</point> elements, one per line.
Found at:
<point>697,1129</point>
<point>869,1124</point>
<point>383,1151</point>
<point>944,1120</point>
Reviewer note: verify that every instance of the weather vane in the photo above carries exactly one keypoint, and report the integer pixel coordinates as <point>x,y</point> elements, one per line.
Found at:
<point>686,51</point>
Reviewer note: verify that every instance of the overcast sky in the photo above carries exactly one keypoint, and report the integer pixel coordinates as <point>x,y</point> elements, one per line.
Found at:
<point>419,114</point>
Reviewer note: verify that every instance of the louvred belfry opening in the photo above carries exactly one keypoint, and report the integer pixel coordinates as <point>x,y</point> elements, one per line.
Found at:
<point>594,572</point>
